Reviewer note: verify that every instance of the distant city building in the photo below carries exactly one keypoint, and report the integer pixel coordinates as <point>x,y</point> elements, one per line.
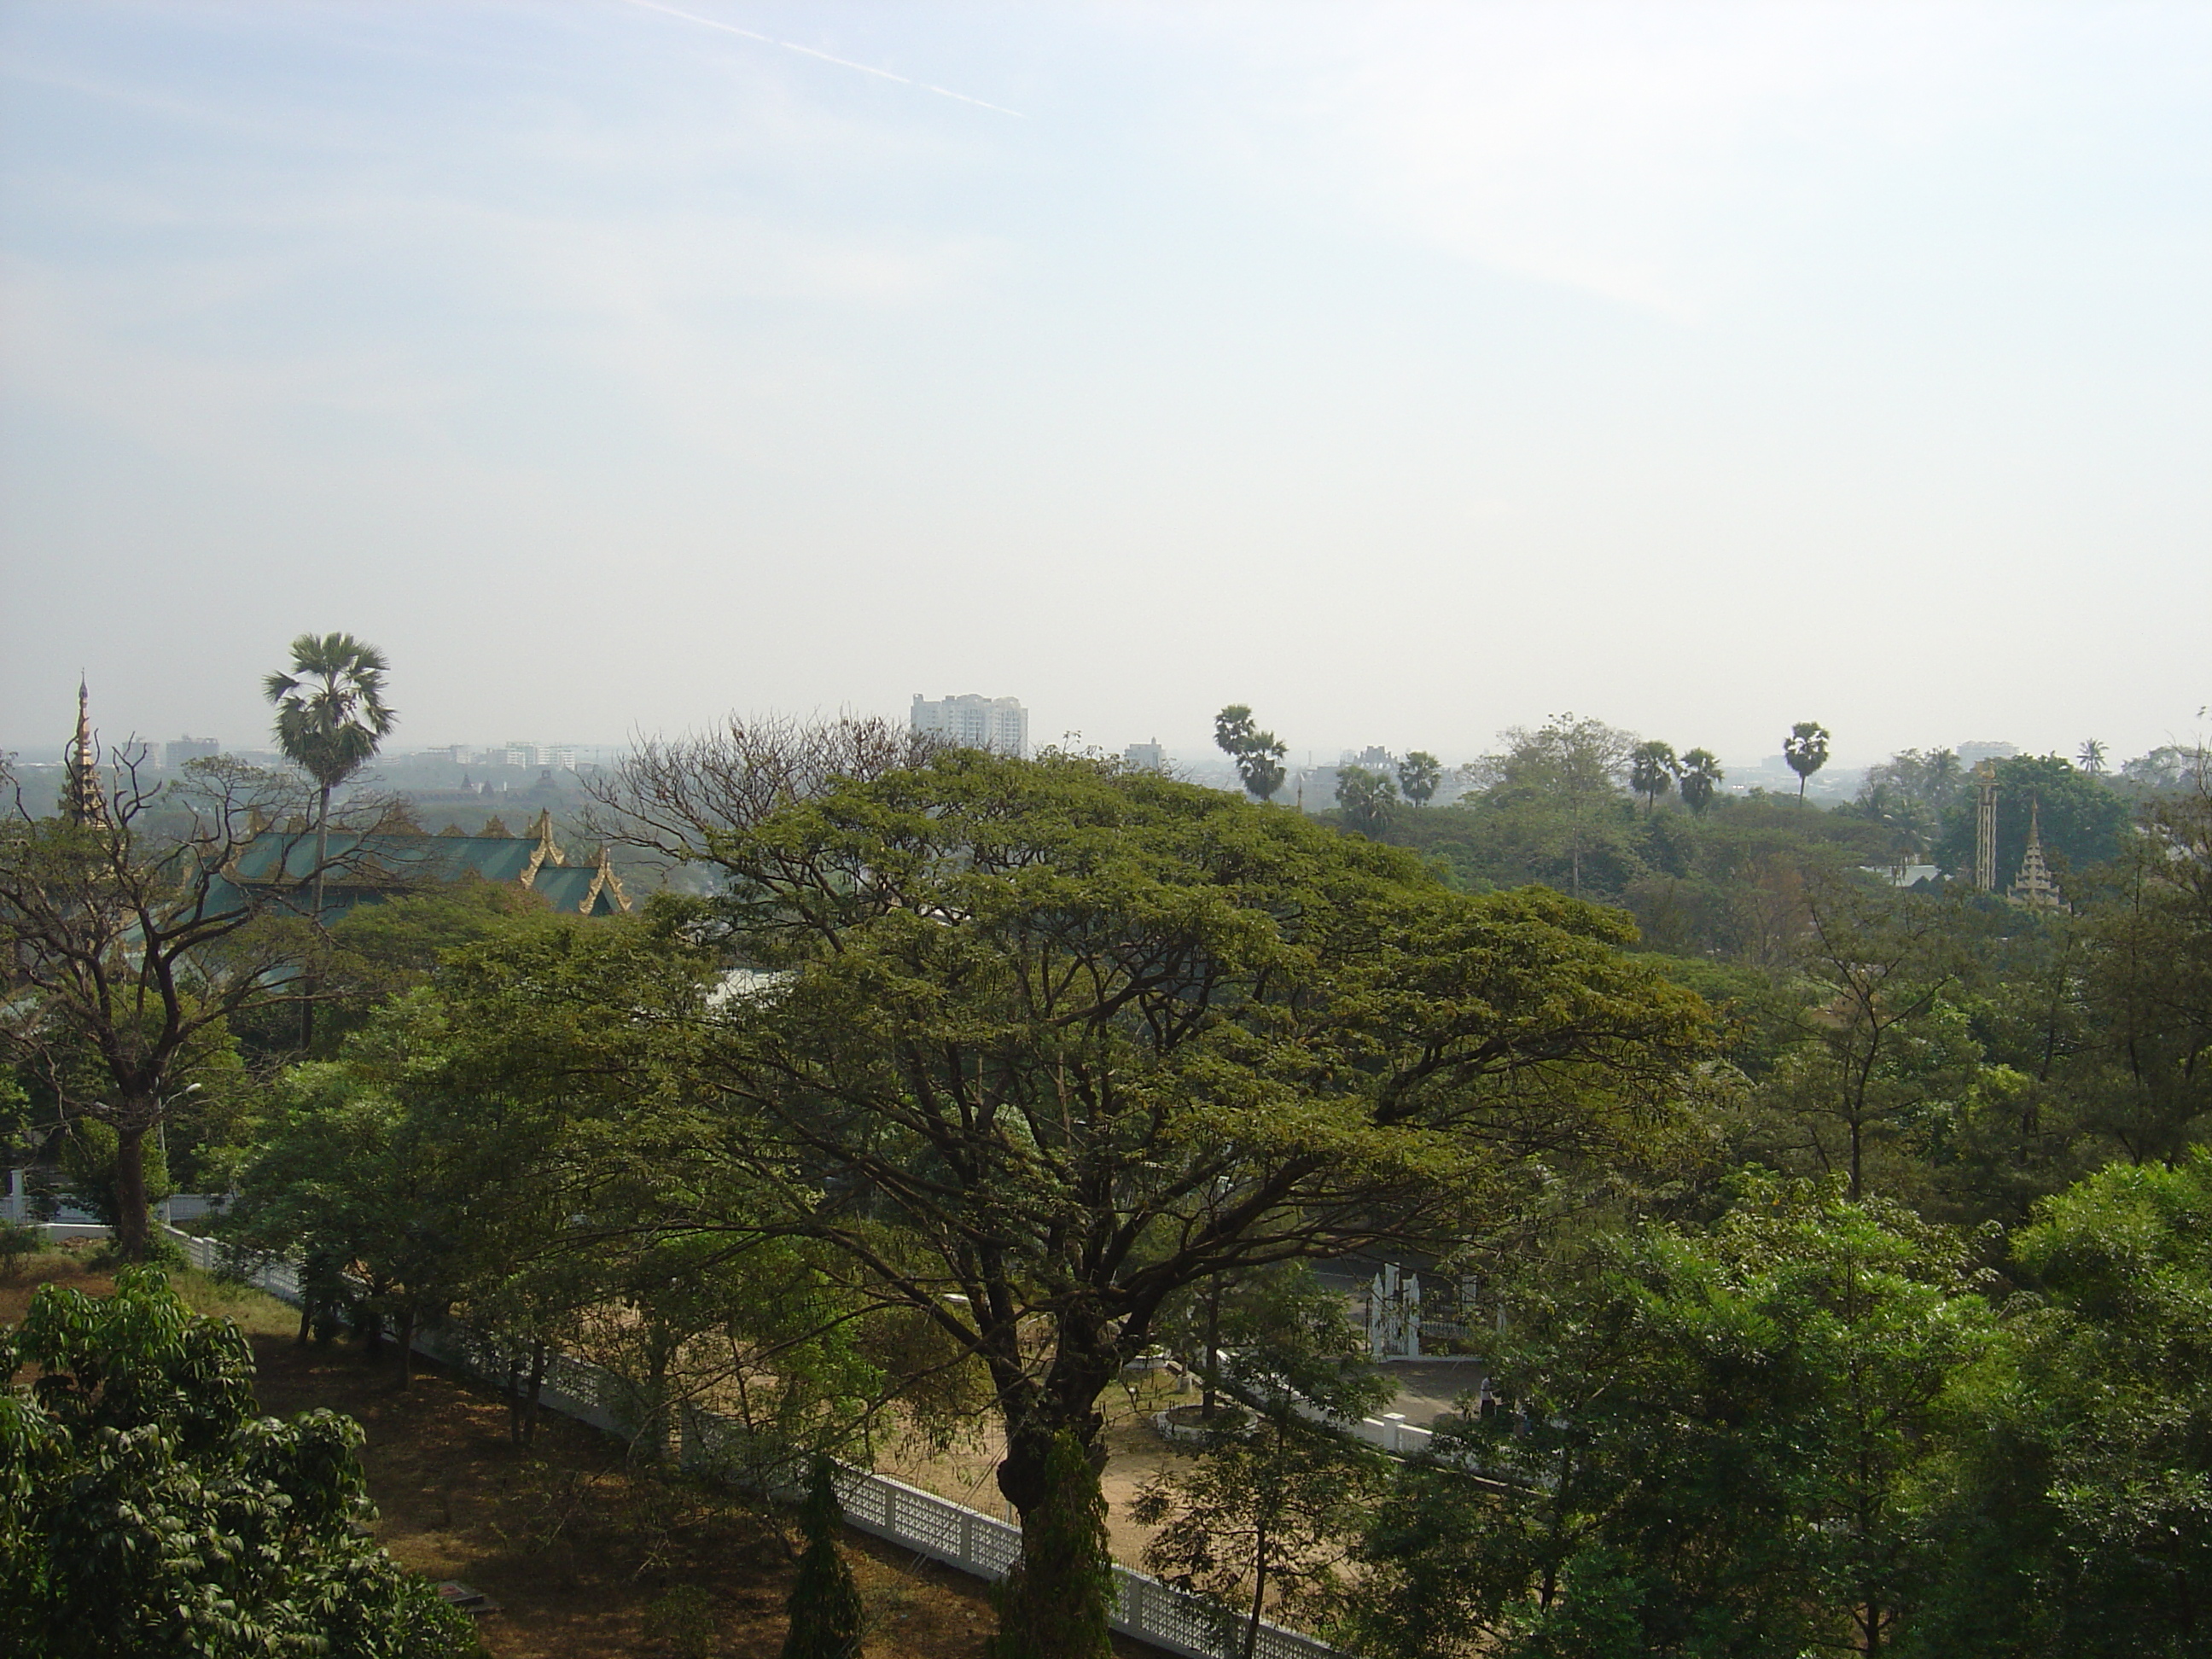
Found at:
<point>976,722</point>
<point>190,748</point>
<point>1373,758</point>
<point>545,757</point>
<point>1971,755</point>
<point>1146,756</point>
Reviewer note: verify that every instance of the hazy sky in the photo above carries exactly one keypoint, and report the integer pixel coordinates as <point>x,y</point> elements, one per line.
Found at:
<point>1405,371</point>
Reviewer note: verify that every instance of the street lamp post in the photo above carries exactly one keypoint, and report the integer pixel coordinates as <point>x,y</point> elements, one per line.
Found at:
<point>162,1140</point>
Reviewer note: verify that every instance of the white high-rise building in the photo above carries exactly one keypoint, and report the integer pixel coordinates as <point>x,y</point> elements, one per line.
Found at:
<point>1971,755</point>
<point>976,722</point>
<point>1146,756</point>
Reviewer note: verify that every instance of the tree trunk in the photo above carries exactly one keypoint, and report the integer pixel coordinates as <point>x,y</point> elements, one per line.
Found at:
<point>535,1393</point>
<point>1209,1400</point>
<point>133,1233</point>
<point>1259,1591</point>
<point>307,978</point>
<point>654,1429</point>
<point>525,1383</point>
<point>1057,1603</point>
<point>407,1346</point>
<point>1086,1363</point>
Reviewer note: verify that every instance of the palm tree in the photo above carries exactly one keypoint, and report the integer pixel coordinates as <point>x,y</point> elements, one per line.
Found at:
<point>1700,776</point>
<point>1418,775</point>
<point>1258,755</point>
<point>1367,798</point>
<point>1941,770</point>
<point>2092,757</point>
<point>1806,749</point>
<point>331,717</point>
<point>1651,769</point>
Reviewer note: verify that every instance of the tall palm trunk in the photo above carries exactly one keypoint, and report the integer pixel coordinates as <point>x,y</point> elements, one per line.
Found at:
<point>322,862</point>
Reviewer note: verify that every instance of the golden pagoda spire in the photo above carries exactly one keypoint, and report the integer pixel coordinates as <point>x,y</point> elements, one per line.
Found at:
<point>84,801</point>
<point>2036,885</point>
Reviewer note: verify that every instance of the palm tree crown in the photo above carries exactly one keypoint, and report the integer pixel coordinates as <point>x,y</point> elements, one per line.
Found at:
<point>330,712</point>
<point>1651,769</point>
<point>1701,776</point>
<point>1806,750</point>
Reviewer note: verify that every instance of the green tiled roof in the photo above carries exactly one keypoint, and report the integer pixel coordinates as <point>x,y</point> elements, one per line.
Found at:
<point>365,868</point>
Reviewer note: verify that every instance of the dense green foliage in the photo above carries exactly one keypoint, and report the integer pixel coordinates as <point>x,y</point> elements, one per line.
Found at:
<point>146,1510</point>
<point>512,1141</point>
<point>1722,1442</point>
<point>1843,1244</point>
<point>2076,1509</point>
<point>1061,1042</point>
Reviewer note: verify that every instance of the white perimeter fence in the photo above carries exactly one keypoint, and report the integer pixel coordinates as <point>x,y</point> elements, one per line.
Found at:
<point>921,1520</point>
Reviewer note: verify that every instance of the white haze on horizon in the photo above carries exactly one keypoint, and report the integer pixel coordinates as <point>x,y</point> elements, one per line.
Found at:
<point>1407,372</point>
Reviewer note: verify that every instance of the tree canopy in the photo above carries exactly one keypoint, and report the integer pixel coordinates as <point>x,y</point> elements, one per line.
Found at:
<point>1044,1045</point>
<point>2081,819</point>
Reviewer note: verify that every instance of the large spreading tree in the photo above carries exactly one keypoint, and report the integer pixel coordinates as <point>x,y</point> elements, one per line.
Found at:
<point>127,953</point>
<point>1037,1048</point>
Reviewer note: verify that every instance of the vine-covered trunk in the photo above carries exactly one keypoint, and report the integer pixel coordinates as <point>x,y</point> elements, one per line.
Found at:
<point>1058,1602</point>
<point>133,1233</point>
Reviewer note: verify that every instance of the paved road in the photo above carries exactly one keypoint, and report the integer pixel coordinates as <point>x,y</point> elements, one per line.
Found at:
<point>1428,1388</point>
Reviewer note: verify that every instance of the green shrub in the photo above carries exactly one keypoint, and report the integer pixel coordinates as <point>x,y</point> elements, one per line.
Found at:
<point>684,1622</point>
<point>19,1241</point>
<point>827,1619</point>
<point>150,1510</point>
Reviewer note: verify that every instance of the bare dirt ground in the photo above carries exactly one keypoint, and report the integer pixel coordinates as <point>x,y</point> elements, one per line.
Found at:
<point>576,1545</point>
